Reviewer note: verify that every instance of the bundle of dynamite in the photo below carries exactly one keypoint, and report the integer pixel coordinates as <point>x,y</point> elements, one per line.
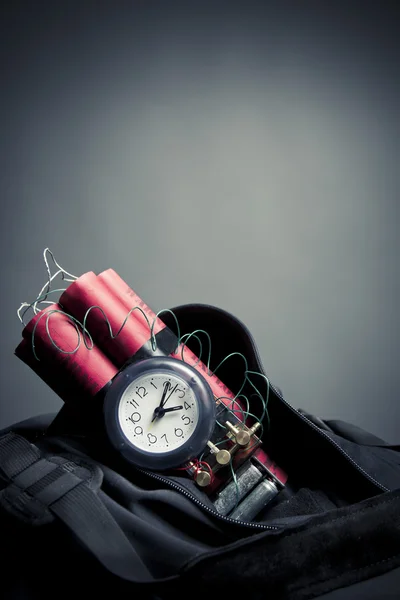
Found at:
<point>52,343</point>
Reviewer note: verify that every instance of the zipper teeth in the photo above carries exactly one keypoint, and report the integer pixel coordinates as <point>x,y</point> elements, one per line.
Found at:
<point>177,487</point>
<point>320,431</point>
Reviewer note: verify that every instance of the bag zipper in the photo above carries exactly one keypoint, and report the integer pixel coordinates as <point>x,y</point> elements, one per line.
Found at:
<point>331,441</point>
<point>214,513</point>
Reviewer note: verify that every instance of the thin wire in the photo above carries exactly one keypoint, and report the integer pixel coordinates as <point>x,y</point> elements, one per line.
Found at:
<point>245,362</point>
<point>48,284</point>
<point>38,299</point>
<point>75,322</point>
<point>51,312</point>
<point>247,379</point>
<point>196,464</point>
<point>46,289</point>
<point>50,276</point>
<point>112,336</point>
<point>230,409</point>
<point>209,469</point>
<point>185,347</point>
<point>189,335</point>
<point>236,485</point>
<point>247,405</point>
<point>19,311</point>
<point>47,250</point>
<point>264,402</point>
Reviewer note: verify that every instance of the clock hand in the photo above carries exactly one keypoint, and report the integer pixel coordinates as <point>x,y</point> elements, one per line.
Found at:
<point>160,412</point>
<point>165,410</point>
<point>166,388</point>
<point>166,399</point>
<point>162,402</point>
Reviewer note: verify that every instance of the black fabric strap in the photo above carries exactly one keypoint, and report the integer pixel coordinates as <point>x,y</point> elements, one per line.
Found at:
<point>16,454</point>
<point>165,343</point>
<point>33,473</point>
<point>36,481</point>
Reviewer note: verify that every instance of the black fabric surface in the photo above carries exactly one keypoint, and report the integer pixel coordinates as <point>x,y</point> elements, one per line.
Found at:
<point>353,543</point>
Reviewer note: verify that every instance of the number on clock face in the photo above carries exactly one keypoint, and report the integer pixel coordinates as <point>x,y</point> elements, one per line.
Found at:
<point>166,431</point>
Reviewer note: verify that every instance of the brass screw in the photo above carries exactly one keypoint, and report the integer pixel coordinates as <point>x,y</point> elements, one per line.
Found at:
<point>203,478</point>
<point>214,449</point>
<point>223,457</point>
<point>254,427</point>
<point>242,437</point>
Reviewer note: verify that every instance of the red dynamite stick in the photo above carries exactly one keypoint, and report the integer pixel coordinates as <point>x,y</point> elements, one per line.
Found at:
<point>130,299</point>
<point>143,319</point>
<point>122,290</point>
<point>89,291</point>
<point>86,370</point>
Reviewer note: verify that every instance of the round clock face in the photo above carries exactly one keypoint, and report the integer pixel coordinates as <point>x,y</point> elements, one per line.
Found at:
<point>162,430</point>
<point>159,413</point>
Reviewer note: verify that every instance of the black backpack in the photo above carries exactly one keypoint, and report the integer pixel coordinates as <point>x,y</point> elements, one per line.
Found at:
<point>77,520</point>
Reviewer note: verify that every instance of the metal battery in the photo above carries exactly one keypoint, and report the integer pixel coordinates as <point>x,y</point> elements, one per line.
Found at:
<point>258,499</point>
<point>247,476</point>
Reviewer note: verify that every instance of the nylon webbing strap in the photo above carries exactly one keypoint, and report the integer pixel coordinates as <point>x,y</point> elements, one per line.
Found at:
<point>16,454</point>
<point>34,479</point>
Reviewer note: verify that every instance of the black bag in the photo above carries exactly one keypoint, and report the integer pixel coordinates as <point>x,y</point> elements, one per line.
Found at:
<point>76,520</point>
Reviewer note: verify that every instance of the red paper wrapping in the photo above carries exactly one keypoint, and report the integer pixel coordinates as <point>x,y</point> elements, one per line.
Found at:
<point>129,299</point>
<point>85,370</point>
<point>89,291</point>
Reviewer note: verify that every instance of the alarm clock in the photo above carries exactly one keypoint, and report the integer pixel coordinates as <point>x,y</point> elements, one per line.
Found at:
<point>159,413</point>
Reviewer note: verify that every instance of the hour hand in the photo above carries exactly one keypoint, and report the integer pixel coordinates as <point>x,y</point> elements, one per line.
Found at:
<point>160,411</point>
<point>165,410</point>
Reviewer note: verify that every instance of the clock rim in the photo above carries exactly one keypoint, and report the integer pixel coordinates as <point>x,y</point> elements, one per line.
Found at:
<point>201,434</point>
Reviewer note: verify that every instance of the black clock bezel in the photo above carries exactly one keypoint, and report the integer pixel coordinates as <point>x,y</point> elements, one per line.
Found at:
<point>197,441</point>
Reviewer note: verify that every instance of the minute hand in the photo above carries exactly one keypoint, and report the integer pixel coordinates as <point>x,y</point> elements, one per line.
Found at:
<point>159,408</point>
<point>165,399</point>
<point>164,395</point>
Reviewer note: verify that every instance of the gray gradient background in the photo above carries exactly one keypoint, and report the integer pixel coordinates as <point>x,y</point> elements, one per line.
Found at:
<point>243,155</point>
